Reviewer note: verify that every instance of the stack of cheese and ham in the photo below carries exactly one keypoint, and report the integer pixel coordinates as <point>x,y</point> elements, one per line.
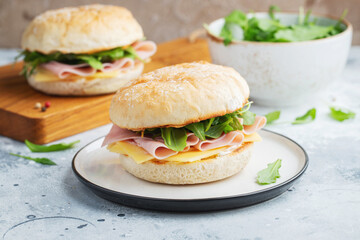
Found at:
<point>142,148</point>
<point>56,71</point>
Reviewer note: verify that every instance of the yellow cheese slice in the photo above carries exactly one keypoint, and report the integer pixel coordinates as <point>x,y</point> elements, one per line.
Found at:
<point>43,75</point>
<point>255,137</point>
<point>195,155</point>
<point>139,155</point>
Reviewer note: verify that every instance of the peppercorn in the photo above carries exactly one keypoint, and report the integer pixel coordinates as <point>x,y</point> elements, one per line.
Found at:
<point>47,104</point>
<point>43,109</point>
<point>37,105</point>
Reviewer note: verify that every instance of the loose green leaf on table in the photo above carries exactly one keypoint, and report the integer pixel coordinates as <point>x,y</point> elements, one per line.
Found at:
<point>272,116</point>
<point>51,148</point>
<point>308,117</point>
<point>341,114</point>
<point>269,174</point>
<point>44,161</point>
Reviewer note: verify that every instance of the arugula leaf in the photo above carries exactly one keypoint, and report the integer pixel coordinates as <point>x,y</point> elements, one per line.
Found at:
<point>341,114</point>
<point>226,34</point>
<point>95,60</point>
<point>271,30</point>
<point>272,10</point>
<point>248,117</point>
<point>236,17</point>
<point>44,161</point>
<point>92,61</point>
<point>174,138</point>
<point>51,148</point>
<point>235,124</point>
<point>303,33</point>
<point>198,129</point>
<point>272,116</point>
<point>269,174</point>
<point>308,117</point>
<point>217,130</point>
<point>208,123</point>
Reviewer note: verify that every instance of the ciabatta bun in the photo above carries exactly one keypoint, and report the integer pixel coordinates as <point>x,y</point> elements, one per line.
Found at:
<point>207,170</point>
<point>83,87</point>
<point>178,95</point>
<point>84,29</point>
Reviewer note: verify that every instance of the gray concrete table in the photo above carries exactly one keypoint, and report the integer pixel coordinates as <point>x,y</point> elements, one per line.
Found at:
<point>48,202</point>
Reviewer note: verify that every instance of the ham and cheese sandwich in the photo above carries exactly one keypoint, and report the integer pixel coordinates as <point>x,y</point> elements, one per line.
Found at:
<point>85,50</point>
<point>184,124</point>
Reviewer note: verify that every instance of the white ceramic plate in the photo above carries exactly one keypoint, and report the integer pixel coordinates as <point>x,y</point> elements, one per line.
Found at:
<point>98,169</point>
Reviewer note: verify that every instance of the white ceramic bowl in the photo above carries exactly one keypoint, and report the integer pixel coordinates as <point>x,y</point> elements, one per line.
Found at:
<point>284,74</point>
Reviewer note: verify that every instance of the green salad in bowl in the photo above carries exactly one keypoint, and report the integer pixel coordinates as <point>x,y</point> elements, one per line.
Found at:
<point>286,58</point>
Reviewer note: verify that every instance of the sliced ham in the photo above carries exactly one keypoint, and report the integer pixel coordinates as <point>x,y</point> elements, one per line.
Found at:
<point>260,122</point>
<point>228,139</point>
<point>119,134</point>
<point>121,64</point>
<point>145,49</point>
<point>64,70</point>
<point>155,148</point>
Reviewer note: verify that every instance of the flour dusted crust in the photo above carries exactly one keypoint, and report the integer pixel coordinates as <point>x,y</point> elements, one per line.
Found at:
<point>207,170</point>
<point>84,29</point>
<point>84,87</point>
<point>178,95</point>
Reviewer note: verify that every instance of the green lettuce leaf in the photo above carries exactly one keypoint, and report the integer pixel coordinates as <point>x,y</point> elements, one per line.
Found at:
<point>272,116</point>
<point>308,117</point>
<point>44,161</point>
<point>248,117</point>
<point>174,138</point>
<point>271,30</point>
<point>198,129</point>
<point>95,60</point>
<point>216,130</point>
<point>51,148</point>
<point>341,114</point>
<point>269,174</point>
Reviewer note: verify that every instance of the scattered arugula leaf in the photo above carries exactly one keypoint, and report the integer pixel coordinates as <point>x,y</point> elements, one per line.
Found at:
<point>44,161</point>
<point>308,117</point>
<point>271,30</point>
<point>51,148</point>
<point>269,174</point>
<point>174,138</point>
<point>341,114</point>
<point>272,116</point>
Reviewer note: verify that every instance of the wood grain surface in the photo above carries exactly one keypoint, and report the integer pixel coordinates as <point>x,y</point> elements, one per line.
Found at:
<point>71,115</point>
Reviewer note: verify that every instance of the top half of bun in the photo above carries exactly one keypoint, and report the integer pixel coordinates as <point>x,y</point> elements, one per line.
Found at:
<point>84,29</point>
<point>178,95</point>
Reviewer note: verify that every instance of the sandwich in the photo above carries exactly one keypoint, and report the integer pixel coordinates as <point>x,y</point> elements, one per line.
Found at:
<point>85,50</point>
<point>184,124</point>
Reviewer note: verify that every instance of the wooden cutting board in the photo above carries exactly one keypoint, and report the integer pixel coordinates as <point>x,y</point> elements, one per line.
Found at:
<point>71,115</point>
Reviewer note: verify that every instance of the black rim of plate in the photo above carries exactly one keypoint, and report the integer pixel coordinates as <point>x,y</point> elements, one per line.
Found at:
<point>193,205</point>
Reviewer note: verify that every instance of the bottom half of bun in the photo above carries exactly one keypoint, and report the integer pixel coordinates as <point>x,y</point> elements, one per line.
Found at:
<point>84,86</point>
<point>207,170</point>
